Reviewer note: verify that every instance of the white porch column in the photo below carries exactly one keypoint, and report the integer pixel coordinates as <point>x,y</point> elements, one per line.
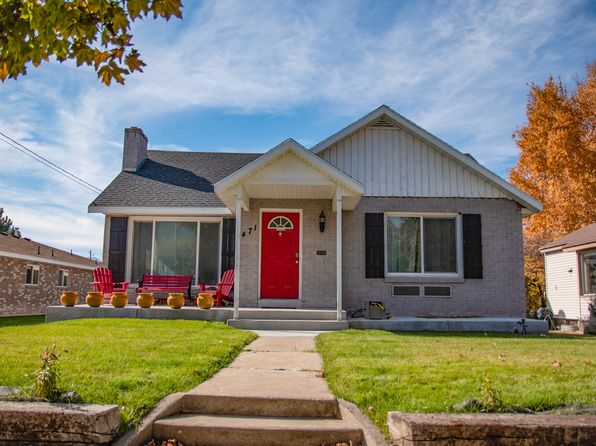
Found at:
<point>237,258</point>
<point>338,274</point>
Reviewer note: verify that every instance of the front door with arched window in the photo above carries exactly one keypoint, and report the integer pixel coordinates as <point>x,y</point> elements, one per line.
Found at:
<point>280,255</point>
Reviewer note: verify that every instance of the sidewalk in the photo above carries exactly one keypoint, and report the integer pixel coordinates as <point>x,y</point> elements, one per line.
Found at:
<point>272,394</point>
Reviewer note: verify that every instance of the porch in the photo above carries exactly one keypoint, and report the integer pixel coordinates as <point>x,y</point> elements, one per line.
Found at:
<point>249,318</point>
<point>288,207</point>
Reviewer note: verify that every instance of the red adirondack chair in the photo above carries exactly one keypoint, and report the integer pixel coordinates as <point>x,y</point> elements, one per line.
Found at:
<point>224,288</point>
<point>104,282</point>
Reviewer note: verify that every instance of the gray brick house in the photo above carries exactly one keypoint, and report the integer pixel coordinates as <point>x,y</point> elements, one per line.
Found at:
<point>33,275</point>
<point>396,214</point>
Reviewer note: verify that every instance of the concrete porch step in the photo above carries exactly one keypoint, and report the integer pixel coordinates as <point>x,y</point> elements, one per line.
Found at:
<point>289,314</point>
<point>214,430</point>
<point>288,324</point>
<point>263,392</point>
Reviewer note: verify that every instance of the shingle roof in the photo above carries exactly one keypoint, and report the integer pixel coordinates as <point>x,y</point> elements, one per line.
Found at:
<point>582,236</point>
<point>173,179</point>
<point>24,246</point>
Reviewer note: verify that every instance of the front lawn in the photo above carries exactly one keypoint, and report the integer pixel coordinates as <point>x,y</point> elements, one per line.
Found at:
<point>130,362</point>
<point>383,371</point>
<point>21,320</point>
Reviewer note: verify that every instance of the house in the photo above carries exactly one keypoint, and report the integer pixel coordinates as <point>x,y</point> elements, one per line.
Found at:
<point>396,214</point>
<point>570,273</point>
<point>33,275</point>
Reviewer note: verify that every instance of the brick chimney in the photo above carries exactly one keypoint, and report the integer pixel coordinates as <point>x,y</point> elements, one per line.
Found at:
<point>135,148</point>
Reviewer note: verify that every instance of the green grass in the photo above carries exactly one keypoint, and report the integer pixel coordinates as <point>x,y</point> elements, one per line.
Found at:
<point>21,320</point>
<point>382,371</point>
<point>130,362</point>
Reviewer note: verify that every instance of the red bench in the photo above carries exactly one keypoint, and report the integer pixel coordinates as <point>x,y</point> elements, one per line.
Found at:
<point>174,284</point>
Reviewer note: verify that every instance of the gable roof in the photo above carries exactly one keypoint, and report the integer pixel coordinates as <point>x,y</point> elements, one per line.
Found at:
<point>302,152</point>
<point>353,190</point>
<point>576,239</point>
<point>511,191</point>
<point>171,180</point>
<point>27,249</point>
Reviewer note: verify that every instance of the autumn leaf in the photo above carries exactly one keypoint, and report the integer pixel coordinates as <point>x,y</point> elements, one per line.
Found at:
<point>4,72</point>
<point>90,32</point>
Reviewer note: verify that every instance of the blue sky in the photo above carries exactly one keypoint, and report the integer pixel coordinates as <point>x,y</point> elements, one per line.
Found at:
<point>244,76</point>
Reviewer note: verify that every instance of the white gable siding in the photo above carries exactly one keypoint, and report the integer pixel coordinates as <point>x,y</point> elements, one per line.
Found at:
<point>392,162</point>
<point>562,286</point>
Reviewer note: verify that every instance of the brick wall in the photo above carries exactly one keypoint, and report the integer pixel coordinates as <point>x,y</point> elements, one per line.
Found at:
<point>500,292</point>
<point>318,271</point>
<point>18,298</point>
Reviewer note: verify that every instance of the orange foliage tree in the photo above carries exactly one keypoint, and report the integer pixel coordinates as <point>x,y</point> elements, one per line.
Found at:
<point>557,165</point>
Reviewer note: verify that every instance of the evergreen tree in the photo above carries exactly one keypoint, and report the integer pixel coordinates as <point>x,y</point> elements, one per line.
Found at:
<point>6,224</point>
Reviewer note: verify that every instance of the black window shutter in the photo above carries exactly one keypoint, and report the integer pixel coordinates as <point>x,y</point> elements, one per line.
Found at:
<point>228,244</point>
<point>117,247</point>
<point>472,229</point>
<point>374,245</point>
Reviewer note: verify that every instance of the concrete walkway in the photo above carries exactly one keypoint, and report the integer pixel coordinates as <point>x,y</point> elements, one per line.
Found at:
<point>272,394</point>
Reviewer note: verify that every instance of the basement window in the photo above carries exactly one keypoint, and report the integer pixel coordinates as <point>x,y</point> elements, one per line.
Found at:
<point>32,275</point>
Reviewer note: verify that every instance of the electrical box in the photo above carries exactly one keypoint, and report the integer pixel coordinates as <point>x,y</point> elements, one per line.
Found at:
<point>375,310</point>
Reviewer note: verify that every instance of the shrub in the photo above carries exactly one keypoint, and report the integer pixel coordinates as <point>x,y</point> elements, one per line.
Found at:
<point>45,385</point>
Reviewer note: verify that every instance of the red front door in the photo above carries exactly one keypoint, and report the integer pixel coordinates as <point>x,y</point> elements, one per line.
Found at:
<point>280,254</point>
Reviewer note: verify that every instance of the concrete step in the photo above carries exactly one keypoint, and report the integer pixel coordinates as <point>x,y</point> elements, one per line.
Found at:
<point>288,324</point>
<point>289,314</point>
<point>265,393</point>
<point>214,430</point>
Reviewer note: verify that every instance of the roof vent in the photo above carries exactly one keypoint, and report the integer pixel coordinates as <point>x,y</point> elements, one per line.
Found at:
<point>437,291</point>
<point>469,155</point>
<point>383,123</point>
<point>410,291</point>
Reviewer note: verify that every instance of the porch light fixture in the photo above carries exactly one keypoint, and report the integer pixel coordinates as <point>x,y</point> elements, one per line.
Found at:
<point>322,222</point>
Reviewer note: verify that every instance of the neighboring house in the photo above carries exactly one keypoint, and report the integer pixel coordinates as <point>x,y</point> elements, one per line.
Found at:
<point>397,214</point>
<point>570,274</point>
<point>33,275</point>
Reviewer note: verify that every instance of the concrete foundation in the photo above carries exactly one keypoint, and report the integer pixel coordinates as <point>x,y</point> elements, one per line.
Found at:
<point>60,313</point>
<point>302,320</point>
<point>483,324</point>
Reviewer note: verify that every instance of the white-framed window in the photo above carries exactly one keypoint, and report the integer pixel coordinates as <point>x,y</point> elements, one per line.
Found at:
<point>32,275</point>
<point>423,244</point>
<point>63,277</point>
<point>280,223</point>
<point>588,272</point>
<point>176,247</point>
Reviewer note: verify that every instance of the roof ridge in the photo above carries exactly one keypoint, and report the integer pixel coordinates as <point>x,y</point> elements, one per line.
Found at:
<point>205,152</point>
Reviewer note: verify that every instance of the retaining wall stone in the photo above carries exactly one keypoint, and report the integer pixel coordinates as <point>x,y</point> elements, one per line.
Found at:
<point>410,429</point>
<point>46,424</point>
